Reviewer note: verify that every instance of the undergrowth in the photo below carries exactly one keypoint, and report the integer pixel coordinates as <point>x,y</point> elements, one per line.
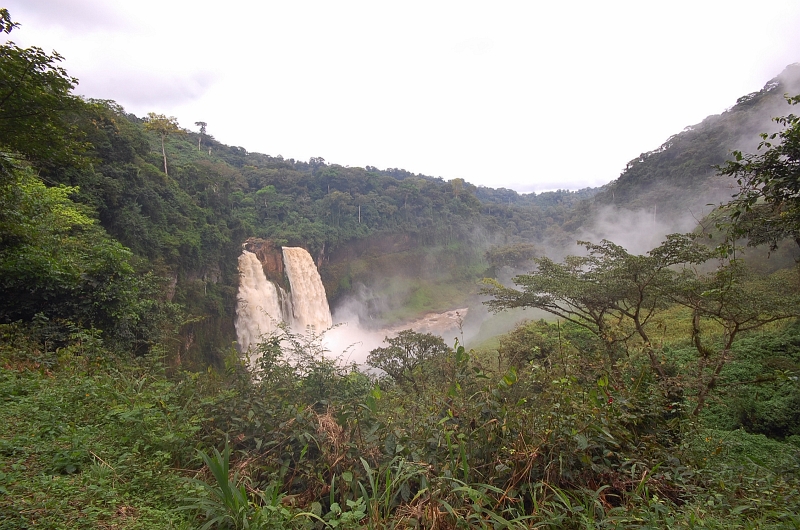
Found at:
<point>553,440</point>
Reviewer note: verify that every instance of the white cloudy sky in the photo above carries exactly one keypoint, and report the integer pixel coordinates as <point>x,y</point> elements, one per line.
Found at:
<point>527,95</point>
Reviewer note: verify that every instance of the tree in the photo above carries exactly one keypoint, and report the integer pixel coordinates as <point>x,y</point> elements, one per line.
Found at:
<point>6,25</point>
<point>510,255</point>
<point>457,185</point>
<point>56,261</point>
<point>738,301</point>
<point>615,294</point>
<point>767,206</point>
<point>35,100</point>
<point>202,126</point>
<point>163,126</point>
<point>407,356</point>
<point>275,205</point>
<point>605,290</point>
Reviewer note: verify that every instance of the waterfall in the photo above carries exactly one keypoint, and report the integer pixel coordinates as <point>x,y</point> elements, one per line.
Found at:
<point>261,305</point>
<point>258,306</point>
<point>309,302</point>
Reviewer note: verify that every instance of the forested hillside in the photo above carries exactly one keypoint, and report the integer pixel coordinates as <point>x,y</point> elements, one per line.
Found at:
<point>189,224</point>
<point>662,392</point>
<point>680,176</point>
<point>183,203</point>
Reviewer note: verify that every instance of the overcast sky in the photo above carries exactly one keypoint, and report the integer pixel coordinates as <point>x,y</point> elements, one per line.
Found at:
<point>519,94</point>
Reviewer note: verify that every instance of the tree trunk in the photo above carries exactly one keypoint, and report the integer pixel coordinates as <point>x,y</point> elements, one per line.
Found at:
<point>706,388</point>
<point>164,154</point>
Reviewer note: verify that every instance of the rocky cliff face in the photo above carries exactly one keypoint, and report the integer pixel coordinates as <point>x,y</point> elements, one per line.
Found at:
<point>271,258</point>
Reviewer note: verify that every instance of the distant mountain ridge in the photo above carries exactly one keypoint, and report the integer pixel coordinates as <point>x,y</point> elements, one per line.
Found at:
<point>679,177</point>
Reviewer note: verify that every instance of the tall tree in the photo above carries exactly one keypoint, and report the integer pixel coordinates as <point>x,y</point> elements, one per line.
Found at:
<point>202,126</point>
<point>603,290</point>
<point>457,185</point>
<point>35,100</point>
<point>163,126</point>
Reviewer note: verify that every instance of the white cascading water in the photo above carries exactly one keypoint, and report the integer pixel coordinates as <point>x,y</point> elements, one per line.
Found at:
<point>309,302</point>
<point>261,305</point>
<point>258,307</point>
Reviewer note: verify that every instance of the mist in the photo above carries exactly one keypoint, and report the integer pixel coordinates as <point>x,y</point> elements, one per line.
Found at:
<point>358,330</point>
<point>637,231</point>
<point>363,317</point>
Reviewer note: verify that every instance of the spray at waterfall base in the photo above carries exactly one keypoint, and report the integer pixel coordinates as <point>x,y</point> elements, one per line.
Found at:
<point>263,305</point>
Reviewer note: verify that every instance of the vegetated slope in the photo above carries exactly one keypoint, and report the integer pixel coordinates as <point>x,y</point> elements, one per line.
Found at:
<point>679,177</point>
<point>188,225</point>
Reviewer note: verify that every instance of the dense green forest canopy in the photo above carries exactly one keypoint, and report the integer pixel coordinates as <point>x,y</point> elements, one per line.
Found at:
<point>180,204</point>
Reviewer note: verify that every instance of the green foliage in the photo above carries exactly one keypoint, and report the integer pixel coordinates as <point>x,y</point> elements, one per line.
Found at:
<point>554,443</point>
<point>56,262</point>
<point>614,295</point>
<point>536,342</point>
<point>511,255</point>
<point>751,478</point>
<point>410,358</point>
<point>759,386</point>
<point>227,503</point>
<point>766,208</point>
<point>604,290</point>
<point>35,102</point>
<point>54,258</point>
<point>300,365</point>
<point>738,301</point>
<point>91,448</point>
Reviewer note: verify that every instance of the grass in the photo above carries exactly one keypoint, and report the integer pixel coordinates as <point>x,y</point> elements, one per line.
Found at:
<point>71,460</point>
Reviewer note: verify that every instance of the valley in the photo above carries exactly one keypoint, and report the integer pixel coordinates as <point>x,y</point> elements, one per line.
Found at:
<point>193,335</point>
